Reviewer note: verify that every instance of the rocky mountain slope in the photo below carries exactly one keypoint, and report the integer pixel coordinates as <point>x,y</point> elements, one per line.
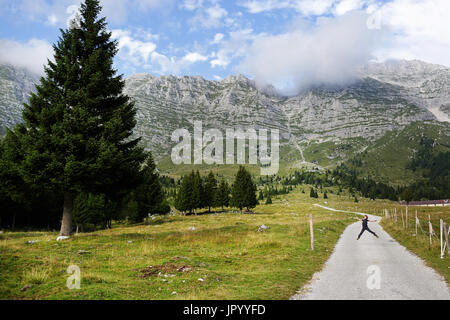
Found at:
<point>322,126</point>
<point>16,84</point>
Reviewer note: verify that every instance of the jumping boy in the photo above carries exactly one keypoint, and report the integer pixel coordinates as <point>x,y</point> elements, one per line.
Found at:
<point>365,227</point>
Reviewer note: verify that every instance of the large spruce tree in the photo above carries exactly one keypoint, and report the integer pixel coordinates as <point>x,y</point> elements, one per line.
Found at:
<point>78,124</point>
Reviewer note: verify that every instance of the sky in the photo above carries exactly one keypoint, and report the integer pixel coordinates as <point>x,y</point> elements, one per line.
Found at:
<point>290,44</point>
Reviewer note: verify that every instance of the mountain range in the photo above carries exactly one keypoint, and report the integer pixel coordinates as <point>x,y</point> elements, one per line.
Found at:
<point>319,127</point>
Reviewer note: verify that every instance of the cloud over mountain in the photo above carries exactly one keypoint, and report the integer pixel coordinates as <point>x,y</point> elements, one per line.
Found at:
<point>328,52</point>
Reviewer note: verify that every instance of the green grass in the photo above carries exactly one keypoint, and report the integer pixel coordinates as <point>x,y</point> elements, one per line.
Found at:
<point>420,243</point>
<point>235,261</point>
<point>386,159</point>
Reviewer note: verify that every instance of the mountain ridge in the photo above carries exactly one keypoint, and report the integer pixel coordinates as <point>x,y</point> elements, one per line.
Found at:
<point>322,126</point>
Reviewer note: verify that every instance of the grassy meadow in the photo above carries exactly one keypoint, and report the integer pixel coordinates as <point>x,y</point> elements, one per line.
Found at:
<point>210,256</point>
<point>166,259</point>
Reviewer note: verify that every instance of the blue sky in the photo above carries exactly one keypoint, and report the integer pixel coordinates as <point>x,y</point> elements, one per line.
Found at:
<point>288,43</point>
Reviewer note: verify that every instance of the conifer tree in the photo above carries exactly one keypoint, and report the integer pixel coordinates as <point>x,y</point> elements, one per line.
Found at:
<point>261,196</point>
<point>198,192</point>
<point>14,192</point>
<point>210,191</point>
<point>243,193</point>
<point>269,200</point>
<point>149,194</point>
<point>223,195</point>
<point>78,124</point>
<point>184,200</point>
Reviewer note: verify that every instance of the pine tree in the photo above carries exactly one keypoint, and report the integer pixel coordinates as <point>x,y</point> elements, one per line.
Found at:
<point>210,191</point>
<point>261,196</point>
<point>14,192</point>
<point>149,194</point>
<point>223,195</point>
<point>184,200</point>
<point>313,193</point>
<point>78,124</point>
<point>198,192</point>
<point>325,195</point>
<point>92,209</point>
<point>269,200</point>
<point>243,193</point>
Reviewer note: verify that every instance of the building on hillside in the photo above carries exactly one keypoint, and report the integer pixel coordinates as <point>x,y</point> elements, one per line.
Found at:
<point>428,203</point>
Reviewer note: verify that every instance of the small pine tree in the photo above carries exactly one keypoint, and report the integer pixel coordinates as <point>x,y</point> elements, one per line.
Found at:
<point>261,196</point>
<point>243,193</point>
<point>93,209</point>
<point>313,193</point>
<point>325,196</point>
<point>184,200</point>
<point>269,200</point>
<point>149,194</point>
<point>223,195</point>
<point>198,192</point>
<point>210,191</point>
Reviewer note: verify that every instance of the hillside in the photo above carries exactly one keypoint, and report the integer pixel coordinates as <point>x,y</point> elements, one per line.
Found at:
<point>387,159</point>
<point>319,128</point>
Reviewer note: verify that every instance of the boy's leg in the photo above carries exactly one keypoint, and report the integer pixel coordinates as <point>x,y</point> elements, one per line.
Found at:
<point>362,231</point>
<point>372,232</point>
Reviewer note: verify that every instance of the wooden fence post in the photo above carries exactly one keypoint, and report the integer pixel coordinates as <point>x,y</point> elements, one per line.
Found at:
<point>446,238</point>
<point>430,228</point>
<point>311,231</point>
<point>406,216</point>
<point>441,229</point>
<point>416,222</point>
<point>403,221</point>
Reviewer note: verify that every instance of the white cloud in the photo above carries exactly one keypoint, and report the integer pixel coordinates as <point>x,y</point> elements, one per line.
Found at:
<point>419,30</point>
<point>162,64</point>
<point>236,46</point>
<point>210,17</point>
<point>52,20</point>
<point>218,38</point>
<point>153,4</point>
<point>32,55</point>
<point>194,57</point>
<point>329,52</point>
<point>54,12</point>
<point>191,5</point>
<point>306,7</point>
<point>136,50</point>
<point>348,5</point>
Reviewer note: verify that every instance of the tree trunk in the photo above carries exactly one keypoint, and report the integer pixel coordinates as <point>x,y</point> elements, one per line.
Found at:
<point>66,225</point>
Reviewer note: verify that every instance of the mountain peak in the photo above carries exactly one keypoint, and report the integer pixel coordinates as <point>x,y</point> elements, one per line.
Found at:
<point>236,78</point>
